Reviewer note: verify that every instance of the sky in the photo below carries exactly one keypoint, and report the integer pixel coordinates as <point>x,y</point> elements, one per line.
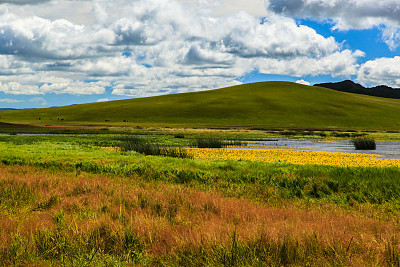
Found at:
<point>64,52</point>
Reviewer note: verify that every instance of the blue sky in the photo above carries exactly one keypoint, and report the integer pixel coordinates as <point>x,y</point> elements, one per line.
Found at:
<point>53,53</point>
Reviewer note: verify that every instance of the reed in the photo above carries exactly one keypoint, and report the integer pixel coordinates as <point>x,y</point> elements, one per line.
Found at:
<point>144,146</point>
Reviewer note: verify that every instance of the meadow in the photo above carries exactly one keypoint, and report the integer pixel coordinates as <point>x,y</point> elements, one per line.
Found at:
<point>92,200</point>
<point>264,105</point>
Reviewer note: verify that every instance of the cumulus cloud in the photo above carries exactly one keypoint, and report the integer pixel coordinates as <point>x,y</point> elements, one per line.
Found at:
<point>346,14</point>
<point>358,14</point>
<point>16,88</point>
<point>23,2</point>
<point>229,7</point>
<point>381,71</point>
<point>36,85</point>
<point>303,82</point>
<point>338,64</point>
<point>65,86</point>
<point>36,38</point>
<point>151,47</point>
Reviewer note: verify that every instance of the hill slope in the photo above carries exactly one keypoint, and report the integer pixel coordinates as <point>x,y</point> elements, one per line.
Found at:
<point>267,104</point>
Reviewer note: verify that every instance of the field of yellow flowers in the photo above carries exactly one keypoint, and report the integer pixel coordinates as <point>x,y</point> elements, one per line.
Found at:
<point>295,157</point>
<point>291,155</point>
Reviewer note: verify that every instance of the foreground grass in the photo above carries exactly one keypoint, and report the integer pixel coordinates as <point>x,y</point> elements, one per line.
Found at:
<point>66,201</point>
<point>61,218</point>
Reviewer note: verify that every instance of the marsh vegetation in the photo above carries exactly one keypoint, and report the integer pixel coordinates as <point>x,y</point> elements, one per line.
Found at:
<point>99,200</point>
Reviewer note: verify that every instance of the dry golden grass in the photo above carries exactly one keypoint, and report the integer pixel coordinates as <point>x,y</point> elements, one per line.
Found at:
<point>170,218</point>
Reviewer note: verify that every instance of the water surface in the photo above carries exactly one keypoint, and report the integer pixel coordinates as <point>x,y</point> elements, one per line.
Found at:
<point>387,149</point>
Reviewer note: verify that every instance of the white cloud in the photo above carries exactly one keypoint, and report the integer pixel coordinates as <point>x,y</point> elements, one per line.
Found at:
<point>39,100</point>
<point>391,36</point>
<point>15,88</point>
<point>356,14</point>
<point>338,64</point>
<point>64,86</point>
<point>173,47</point>
<point>77,11</point>
<point>303,82</point>
<point>37,38</point>
<point>52,84</point>
<point>381,71</point>
<point>9,65</point>
<point>103,100</point>
<point>8,100</point>
<point>347,14</point>
<point>23,2</point>
<point>228,7</point>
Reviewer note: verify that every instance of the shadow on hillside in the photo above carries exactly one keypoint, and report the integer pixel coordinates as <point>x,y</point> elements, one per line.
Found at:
<point>5,125</point>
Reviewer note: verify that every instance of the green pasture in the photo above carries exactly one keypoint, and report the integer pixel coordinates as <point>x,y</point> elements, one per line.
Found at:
<point>258,105</point>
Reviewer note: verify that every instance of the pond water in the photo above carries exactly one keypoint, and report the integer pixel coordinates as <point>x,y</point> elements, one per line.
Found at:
<point>387,149</point>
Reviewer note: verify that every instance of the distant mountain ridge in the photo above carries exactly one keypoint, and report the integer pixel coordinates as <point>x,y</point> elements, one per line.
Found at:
<point>352,87</point>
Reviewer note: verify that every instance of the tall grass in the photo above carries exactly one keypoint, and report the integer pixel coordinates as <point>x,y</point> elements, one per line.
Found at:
<point>210,143</point>
<point>58,206</point>
<point>144,146</point>
<point>99,221</point>
<point>15,194</point>
<point>214,142</point>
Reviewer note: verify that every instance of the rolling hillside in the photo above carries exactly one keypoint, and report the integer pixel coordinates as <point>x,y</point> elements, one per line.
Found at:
<point>267,104</point>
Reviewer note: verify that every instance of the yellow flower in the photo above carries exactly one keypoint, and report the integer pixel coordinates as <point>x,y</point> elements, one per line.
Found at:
<point>295,157</point>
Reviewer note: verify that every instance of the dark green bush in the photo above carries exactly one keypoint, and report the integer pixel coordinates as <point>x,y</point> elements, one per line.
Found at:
<point>364,144</point>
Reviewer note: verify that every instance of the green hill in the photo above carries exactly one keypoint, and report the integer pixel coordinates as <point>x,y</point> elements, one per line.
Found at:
<point>267,104</point>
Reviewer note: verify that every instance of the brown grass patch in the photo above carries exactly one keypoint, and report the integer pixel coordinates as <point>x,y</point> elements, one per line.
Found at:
<point>170,218</point>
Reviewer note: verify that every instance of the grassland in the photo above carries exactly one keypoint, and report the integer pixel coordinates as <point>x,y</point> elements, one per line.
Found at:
<point>259,105</point>
<point>78,200</point>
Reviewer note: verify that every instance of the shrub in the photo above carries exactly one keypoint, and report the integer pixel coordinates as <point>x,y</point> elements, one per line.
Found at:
<point>364,144</point>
